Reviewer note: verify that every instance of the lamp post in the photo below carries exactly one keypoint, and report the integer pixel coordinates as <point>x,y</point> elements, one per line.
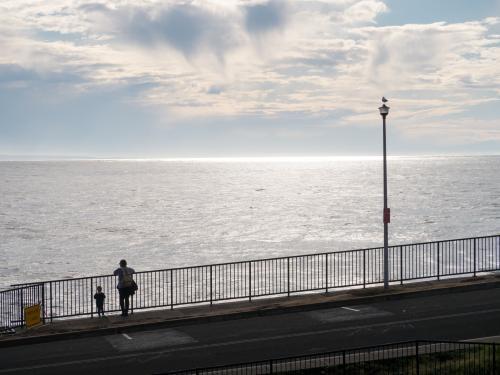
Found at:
<point>384,111</point>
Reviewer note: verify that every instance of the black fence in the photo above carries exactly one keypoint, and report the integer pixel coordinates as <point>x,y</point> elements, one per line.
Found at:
<point>416,357</point>
<point>12,301</point>
<point>257,278</point>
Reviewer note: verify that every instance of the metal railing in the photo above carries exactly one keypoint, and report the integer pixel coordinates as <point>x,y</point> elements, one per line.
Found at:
<point>414,357</point>
<point>12,302</point>
<point>258,278</point>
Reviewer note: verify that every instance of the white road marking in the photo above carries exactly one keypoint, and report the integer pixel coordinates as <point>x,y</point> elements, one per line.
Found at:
<point>351,309</point>
<point>149,340</point>
<point>347,314</point>
<point>231,343</point>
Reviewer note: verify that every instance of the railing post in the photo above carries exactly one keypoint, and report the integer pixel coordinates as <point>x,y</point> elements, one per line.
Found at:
<point>132,304</point>
<point>498,253</point>
<point>494,359</point>
<point>475,257</point>
<point>91,297</point>
<point>250,281</point>
<point>288,275</point>
<point>43,303</point>
<point>326,272</point>
<point>364,268</point>
<point>211,297</point>
<point>22,306</point>
<point>270,366</point>
<point>401,263</point>
<point>171,289</point>
<point>438,261</point>
<point>50,296</point>
<point>417,359</point>
<point>343,362</point>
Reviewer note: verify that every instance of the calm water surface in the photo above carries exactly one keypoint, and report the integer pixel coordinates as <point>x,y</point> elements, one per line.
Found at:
<point>73,218</point>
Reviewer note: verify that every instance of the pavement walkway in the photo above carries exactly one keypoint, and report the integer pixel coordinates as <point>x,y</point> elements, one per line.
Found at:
<point>140,320</point>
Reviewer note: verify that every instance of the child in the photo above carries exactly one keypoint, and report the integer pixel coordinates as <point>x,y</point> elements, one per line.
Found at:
<point>99,301</point>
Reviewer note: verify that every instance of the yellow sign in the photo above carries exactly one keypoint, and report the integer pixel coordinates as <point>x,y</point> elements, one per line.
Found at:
<point>32,315</point>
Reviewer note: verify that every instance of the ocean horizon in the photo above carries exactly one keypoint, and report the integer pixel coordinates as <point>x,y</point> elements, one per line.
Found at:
<point>284,158</point>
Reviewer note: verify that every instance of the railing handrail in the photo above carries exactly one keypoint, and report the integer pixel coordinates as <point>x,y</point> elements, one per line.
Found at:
<point>253,260</point>
<point>16,287</point>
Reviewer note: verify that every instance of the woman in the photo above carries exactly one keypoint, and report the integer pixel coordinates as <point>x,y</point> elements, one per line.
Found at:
<point>125,285</point>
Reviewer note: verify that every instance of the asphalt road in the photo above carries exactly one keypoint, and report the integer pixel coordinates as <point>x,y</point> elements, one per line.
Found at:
<point>456,316</point>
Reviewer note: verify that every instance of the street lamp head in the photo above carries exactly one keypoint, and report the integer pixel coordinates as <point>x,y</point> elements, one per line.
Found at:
<point>384,110</point>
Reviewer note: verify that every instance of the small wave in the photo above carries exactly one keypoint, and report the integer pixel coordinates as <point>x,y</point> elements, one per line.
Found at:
<point>115,230</point>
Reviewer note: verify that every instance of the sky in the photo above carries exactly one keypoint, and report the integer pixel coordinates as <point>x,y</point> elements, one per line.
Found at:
<point>216,78</point>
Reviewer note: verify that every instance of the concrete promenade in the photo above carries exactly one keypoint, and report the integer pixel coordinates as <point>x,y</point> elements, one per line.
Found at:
<point>144,319</point>
<point>155,341</point>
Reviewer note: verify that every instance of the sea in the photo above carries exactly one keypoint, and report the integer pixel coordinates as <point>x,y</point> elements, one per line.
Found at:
<point>70,218</point>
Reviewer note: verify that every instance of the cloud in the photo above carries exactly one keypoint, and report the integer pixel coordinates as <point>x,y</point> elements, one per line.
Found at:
<point>16,77</point>
<point>327,59</point>
<point>187,28</point>
<point>464,130</point>
<point>265,17</point>
<point>215,90</point>
<point>413,52</point>
<point>364,11</point>
<point>94,7</point>
<point>15,73</point>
